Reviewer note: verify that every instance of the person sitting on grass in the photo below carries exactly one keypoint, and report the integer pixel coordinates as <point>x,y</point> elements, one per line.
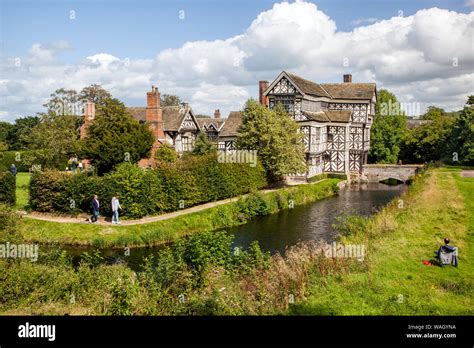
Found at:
<point>115,207</point>
<point>447,254</point>
<point>95,210</point>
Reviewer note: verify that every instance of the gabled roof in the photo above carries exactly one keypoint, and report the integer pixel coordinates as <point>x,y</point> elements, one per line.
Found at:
<point>350,90</point>
<point>173,116</point>
<point>138,113</point>
<point>206,122</point>
<point>308,87</point>
<point>345,90</point>
<point>231,124</point>
<point>337,116</point>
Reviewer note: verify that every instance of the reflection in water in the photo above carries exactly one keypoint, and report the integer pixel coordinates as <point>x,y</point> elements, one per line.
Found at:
<point>277,231</point>
<point>313,221</point>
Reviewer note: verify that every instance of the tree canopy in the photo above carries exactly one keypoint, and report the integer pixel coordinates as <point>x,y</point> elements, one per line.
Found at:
<point>388,130</point>
<point>115,137</point>
<point>276,138</point>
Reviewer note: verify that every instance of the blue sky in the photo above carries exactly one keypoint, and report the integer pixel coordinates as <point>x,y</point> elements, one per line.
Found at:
<point>54,48</point>
<point>147,27</point>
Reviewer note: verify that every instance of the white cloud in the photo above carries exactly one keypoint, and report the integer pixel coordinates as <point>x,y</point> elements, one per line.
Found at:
<point>360,21</point>
<point>427,58</point>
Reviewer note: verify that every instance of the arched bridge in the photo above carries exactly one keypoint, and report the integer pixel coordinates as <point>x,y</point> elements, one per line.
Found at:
<point>381,172</point>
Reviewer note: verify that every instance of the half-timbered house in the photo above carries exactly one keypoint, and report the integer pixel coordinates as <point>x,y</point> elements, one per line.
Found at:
<point>334,117</point>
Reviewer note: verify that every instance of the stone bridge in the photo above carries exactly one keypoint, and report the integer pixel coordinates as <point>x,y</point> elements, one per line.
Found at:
<point>381,172</point>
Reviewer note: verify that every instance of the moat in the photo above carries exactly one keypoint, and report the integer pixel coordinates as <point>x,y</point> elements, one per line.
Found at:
<point>278,231</point>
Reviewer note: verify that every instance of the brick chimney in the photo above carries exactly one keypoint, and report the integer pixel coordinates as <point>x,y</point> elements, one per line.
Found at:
<point>89,115</point>
<point>217,114</point>
<point>154,114</point>
<point>347,78</point>
<point>262,86</point>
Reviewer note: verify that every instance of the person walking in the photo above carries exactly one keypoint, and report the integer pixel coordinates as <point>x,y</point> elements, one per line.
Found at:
<point>115,207</point>
<point>74,164</point>
<point>13,169</point>
<point>80,166</point>
<point>95,209</point>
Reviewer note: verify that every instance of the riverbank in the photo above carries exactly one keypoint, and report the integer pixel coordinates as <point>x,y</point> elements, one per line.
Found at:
<point>392,279</point>
<point>231,213</point>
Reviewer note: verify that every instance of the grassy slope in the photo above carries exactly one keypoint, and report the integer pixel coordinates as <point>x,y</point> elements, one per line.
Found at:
<point>396,282</point>
<point>162,231</point>
<point>22,183</point>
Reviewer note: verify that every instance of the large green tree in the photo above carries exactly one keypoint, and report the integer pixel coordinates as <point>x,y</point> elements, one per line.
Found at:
<point>276,138</point>
<point>63,102</point>
<point>388,130</point>
<point>94,93</point>
<point>115,137</point>
<point>428,142</point>
<point>18,135</point>
<point>460,148</point>
<point>54,138</point>
<point>5,128</point>
<point>170,100</point>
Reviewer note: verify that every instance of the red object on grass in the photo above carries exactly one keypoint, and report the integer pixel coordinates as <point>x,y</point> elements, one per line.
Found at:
<point>426,262</point>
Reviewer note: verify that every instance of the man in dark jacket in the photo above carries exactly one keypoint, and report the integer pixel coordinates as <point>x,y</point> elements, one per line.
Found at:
<point>13,169</point>
<point>95,209</point>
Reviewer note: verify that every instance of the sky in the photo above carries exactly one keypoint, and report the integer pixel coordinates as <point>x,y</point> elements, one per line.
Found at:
<point>212,53</point>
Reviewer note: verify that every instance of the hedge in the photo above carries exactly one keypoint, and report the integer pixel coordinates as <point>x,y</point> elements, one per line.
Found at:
<point>143,192</point>
<point>24,159</point>
<point>7,158</point>
<point>7,188</point>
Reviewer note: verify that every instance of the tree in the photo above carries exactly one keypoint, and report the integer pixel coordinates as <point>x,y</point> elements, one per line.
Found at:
<point>276,138</point>
<point>94,93</point>
<point>428,142</point>
<point>115,137</point>
<point>5,128</point>
<point>470,100</point>
<point>166,154</point>
<point>203,146</point>
<point>170,100</point>
<point>18,136</point>
<point>64,102</point>
<point>388,130</point>
<point>54,138</point>
<point>461,140</point>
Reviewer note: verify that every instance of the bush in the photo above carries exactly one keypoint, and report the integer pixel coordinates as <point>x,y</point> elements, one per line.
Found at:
<point>7,188</point>
<point>166,188</point>
<point>23,160</point>
<point>7,158</point>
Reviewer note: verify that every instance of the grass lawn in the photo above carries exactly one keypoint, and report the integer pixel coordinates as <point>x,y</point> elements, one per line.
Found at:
<point>22,196</point>
<point>395,282</point>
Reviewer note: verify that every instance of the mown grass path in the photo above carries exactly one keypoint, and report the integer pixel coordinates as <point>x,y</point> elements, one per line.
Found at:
<point>399,238</point>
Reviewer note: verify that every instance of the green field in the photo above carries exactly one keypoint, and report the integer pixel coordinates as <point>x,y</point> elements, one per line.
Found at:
<point>395,281</point>
<point>22,182</point>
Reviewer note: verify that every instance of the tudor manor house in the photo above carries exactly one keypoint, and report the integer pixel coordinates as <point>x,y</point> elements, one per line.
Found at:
<point>335,119</point>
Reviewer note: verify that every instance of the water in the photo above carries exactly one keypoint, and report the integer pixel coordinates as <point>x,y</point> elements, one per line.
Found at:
<point>278,231</point>
<point>313,221</point>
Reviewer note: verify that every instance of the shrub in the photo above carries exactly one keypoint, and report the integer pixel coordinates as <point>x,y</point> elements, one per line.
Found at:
<point>7,188</point>
<point>166,188</point>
